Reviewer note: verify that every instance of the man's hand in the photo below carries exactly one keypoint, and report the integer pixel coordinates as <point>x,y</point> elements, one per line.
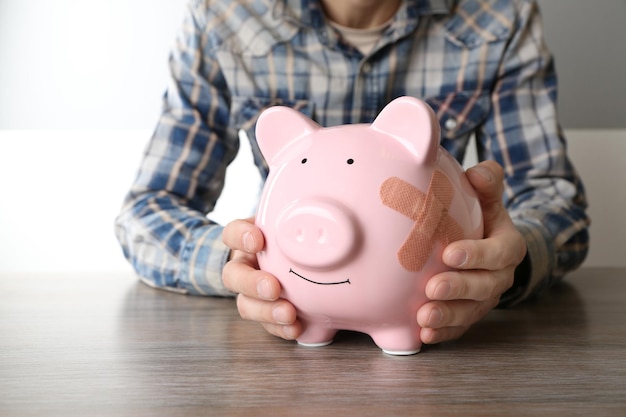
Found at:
<point>259,291</point>
<point>484,268</point>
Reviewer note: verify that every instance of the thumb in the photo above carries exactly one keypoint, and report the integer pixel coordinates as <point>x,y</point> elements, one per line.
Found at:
<point>487,179</point>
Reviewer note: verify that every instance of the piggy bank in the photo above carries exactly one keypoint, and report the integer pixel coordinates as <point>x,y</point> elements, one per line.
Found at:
<point>356,217</point>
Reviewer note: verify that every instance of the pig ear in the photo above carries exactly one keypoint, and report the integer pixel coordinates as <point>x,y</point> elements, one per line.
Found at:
<point>278,126</point>
<point>414,124</point>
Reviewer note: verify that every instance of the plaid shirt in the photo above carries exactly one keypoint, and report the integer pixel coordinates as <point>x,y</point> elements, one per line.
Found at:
<point>482,66</point>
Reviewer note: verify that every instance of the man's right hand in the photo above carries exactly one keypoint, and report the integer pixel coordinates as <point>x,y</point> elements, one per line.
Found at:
<point>258,291</point>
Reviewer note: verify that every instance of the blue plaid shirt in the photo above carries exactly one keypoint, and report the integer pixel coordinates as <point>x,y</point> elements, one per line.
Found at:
<point>482,66</point>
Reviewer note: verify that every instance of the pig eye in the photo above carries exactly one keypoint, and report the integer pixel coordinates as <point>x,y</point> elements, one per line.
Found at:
<point>350,161</point>
<point>303,161</point>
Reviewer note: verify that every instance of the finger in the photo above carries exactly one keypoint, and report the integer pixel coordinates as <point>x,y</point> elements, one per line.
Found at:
<point>477,285</point>
<point>243,235</point>
<point>431,336</point>
<point>289,332</point>
<point>505,247</point>
<point>243,278</point>
<point>458,313</point>
<point>280,312</point>
<point>487,179</point>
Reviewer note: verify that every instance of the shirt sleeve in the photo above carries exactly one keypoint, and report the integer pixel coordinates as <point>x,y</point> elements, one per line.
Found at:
<point>163,228</point>
<point>543,193</point>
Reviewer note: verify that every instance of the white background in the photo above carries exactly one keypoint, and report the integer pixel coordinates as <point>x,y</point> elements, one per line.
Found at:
<point>80,89</point>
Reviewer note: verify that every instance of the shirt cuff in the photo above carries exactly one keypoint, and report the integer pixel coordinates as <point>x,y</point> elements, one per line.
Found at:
<point>535,269</point>
<point>202,261</point>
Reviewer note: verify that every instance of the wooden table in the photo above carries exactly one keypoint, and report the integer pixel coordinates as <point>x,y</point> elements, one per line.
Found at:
<point>107,345</point>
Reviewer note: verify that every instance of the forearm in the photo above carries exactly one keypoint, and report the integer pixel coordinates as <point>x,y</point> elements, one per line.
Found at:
<point>543,193</point>
<point>163,228</point>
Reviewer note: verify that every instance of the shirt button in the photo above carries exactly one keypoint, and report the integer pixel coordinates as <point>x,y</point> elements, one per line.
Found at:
<point>323,35</point>
<point>366,68</point>
<point>451,123</point>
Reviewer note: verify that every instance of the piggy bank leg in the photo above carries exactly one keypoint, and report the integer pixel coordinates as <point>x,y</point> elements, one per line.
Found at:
<point>398,340</point>
<point>316,335</point>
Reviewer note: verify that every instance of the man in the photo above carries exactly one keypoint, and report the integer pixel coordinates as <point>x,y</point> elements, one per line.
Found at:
<point>483,67</point>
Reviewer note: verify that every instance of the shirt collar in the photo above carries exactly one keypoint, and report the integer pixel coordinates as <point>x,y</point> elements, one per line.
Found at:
<point>309,12</point>
<point>433,7</point>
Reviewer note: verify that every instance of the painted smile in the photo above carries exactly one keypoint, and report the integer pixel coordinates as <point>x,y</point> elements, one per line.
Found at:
<point>291,271</point>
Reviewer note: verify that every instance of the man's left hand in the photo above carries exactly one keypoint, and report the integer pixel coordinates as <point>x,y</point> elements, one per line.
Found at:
<point>483,269</point>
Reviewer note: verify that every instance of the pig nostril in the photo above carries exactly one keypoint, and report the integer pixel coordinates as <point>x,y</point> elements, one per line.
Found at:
<point>300,235</point>
<point>322,236</point>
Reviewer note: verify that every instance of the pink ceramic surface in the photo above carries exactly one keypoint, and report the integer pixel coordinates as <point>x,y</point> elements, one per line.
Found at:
<point>356,217</point>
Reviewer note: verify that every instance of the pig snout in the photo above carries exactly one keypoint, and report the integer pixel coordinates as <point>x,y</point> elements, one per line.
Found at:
<point>317,234</point>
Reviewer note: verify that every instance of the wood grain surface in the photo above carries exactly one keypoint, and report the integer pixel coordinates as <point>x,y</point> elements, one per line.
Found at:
<point>102,345</point>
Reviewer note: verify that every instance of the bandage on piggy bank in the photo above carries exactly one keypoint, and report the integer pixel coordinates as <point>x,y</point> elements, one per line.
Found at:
<point>356,217</point>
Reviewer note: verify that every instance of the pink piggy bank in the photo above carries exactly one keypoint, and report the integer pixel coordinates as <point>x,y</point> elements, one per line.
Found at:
<point>356,218</point>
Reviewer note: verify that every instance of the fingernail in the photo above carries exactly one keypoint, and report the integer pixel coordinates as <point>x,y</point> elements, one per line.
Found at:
<point>289,332</point>
<point>456,258</point>
<point>442,291</point>
<point>435,318</point>
<point>483,172</point>
<point>264,290</point>
<point>281,315</point>
<point>248,242</point>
